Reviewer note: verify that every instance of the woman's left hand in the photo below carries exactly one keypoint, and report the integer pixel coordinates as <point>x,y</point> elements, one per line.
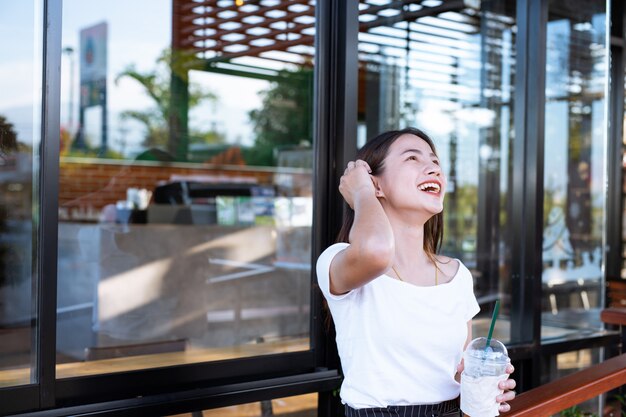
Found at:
<point>508,385</point>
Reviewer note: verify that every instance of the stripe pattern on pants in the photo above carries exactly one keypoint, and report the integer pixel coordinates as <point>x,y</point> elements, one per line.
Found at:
<point>444,409</point>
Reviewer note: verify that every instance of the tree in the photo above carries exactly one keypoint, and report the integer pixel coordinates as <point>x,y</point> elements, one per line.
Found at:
<point>8,137</point>
<point>285,118</point>
<point>156,84</point>
<point>11,254</point>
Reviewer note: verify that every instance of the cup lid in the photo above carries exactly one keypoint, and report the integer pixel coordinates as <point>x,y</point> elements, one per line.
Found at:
<point>495,350</point>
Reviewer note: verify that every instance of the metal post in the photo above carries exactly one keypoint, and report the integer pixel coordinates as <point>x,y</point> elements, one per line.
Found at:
<point>47,234</point>
<point>527,191</point>
<point>336,76</point>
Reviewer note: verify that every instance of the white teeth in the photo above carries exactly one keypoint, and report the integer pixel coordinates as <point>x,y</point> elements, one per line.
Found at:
<point>430,186</point>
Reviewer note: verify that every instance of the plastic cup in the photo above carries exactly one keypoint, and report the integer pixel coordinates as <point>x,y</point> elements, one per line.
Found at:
<point>485,367</point>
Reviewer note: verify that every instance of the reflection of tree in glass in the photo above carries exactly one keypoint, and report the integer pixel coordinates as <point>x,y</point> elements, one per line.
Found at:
<point>8,137</point>
<point>460,226</point>
<point>156,84</point>
<point>10,262</point>
<point>285,119</point>
<point>9,257</point>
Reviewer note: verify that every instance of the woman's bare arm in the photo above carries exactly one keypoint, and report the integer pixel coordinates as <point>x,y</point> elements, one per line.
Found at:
<point>371,249</point>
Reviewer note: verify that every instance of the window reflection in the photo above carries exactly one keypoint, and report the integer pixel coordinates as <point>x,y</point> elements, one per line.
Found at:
<point>576,75</point>
<point>561,365</point>
<point>296,406</point>
<point>185,197</point>
<point>20,126</point>
<point>449,70</point>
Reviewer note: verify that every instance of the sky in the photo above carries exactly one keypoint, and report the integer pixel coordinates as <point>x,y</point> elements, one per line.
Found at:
<point>20,66</point>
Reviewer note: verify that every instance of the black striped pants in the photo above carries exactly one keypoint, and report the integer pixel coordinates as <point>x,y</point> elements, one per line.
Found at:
<point>444,409</point>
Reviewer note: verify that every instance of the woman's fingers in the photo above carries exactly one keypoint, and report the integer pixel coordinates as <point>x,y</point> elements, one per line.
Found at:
<point>505,396</point>
<point>358,163</point>
<point>507,384</point>
<point>504,407</point>
<point>355,179</point>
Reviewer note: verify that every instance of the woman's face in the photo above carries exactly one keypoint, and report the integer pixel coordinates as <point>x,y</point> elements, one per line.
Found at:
<point>412,177</point>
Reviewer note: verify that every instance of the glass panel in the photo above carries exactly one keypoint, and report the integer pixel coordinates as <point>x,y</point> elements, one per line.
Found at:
<point>449,71</point>
<point>296,406</point>
<point>574,179</point>
<point>185,182</point>
<point>563,364</point>
<point>623,271</point>
<point>20,135</point>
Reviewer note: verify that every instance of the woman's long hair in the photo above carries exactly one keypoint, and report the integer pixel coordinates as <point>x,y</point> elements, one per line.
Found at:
<point>374,153</point>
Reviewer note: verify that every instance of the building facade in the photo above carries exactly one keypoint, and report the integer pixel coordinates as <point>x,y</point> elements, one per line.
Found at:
<point>169,174</point>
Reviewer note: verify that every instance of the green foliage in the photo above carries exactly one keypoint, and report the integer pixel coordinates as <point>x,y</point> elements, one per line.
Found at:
<point>285,117</point>
<point>8,137</point>
<point>576,411</point>
<point>460,223</point>
<point>90,152</point>
<point>156,84</point>
<point>210,137</point>
<point>622,400</point>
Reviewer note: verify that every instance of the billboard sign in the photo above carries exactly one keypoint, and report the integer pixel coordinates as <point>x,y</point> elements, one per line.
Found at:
<point>93,65</point>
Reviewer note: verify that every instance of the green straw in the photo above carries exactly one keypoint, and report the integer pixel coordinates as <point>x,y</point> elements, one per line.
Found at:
<point>493,323</point>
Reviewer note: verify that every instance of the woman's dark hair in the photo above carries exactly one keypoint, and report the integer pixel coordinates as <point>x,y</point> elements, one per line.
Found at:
<point>374,153</point>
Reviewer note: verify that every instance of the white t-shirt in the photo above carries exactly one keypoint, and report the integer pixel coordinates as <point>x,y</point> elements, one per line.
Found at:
<point>399,343</point>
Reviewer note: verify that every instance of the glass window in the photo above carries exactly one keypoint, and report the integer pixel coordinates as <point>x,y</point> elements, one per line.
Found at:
<point>575,170</point>
<point>623,271</point>
<point>20,135</point>
<point>296,406</point>
<point>185,197</point>
<point>450,72</point>
<point>563,364</point>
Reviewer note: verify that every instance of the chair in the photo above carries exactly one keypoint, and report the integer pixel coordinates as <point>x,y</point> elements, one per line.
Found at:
<point>616,293</point>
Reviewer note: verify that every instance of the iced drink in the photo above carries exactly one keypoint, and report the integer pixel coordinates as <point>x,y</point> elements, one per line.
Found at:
<point>485,367</point>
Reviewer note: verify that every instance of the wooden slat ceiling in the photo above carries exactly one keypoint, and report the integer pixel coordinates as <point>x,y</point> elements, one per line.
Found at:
<point>220,30</point>
<point>283,30</point>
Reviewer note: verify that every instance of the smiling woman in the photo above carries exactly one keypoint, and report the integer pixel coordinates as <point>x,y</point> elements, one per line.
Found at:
<point>393,229</point>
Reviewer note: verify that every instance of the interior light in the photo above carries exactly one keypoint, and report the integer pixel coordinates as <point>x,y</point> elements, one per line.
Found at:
<point>239,3</point>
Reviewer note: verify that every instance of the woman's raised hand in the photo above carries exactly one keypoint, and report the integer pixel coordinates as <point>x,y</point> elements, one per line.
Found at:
<point>356,178</point>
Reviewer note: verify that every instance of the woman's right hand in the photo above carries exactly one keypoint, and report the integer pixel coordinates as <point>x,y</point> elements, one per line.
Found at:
<point>372,244</point>
<point>356,178</point>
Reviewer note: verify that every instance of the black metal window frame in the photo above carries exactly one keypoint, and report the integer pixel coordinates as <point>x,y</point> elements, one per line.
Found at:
<point>189,387</point>
<point>185,388</point>
<point>529,353</point>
